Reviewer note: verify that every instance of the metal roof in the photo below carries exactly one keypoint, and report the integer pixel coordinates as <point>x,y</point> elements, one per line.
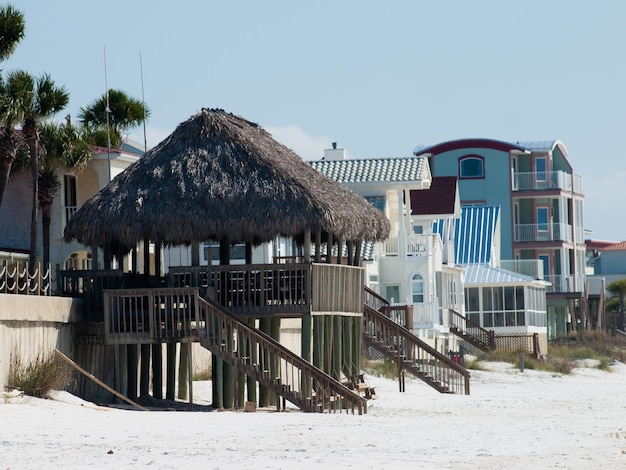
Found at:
<point>475,233</point>
<point>374,170</point>
<point>485,274</point>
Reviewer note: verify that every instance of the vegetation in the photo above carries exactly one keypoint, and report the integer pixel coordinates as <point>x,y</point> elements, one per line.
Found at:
<point>124,113</point>
<point>380,367</point>
<point>39,377</point>
<point>618,291</point>
<point>565,353</point>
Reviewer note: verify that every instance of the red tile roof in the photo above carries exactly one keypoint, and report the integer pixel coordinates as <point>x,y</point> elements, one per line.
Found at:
<point>621,246</point>
<point>439,199</point>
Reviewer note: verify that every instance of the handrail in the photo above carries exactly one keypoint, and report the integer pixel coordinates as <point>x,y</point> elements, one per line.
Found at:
<point>157,315</point>
<point>413,354</point>
<point>471,332</point>
<point>374,299</point>
<point>297,380</point>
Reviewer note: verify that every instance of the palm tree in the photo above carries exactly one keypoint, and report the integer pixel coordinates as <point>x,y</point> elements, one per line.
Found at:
<point>11,30</point>
<point>64,147</point>
<point>124,114</point>
<point>618,289</point>
<point>28,101</point>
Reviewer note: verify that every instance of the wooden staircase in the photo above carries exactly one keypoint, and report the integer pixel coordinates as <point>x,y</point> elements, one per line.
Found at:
<point>471,332</point>
<point>180,314</point>
<point>257,355</point>
<point>408,352</point>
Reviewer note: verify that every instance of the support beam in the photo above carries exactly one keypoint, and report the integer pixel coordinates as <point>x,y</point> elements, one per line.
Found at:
<point>132,353</point>
<point>350,245</point>
<point>144,376</point>
<point>340,251</point>
<point>307,246</point>
<point>329,248</point>
<point>183,372</point>
<point>318,246</point>
<point>157,371</point>
<point>170,377</point>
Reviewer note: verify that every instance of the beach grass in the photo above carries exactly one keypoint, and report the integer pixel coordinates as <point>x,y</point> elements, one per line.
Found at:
<point>39,376</point>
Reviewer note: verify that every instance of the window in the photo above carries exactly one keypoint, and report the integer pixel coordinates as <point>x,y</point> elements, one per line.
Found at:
<point>471,166</point>
<point>542,219</point>
<point>392,293</point>
<point>540,169</point>
<point>417,289</point>
<point>237,252</point>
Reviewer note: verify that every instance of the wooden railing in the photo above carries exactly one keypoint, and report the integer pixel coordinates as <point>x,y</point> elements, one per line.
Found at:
<point>285,289</point>
<point>413,355</point>
<point>89,285</point>
<point>397,343</point>
<point>15,279</point>
<point>151,315</point>
<point>518,342</point>
<point>180,314</point>
<point>471,332</point>
<point>274,366</point>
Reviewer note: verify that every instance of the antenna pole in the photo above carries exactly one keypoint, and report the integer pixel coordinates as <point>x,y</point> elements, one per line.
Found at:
<point>143,103</point>
<point>108,110</point>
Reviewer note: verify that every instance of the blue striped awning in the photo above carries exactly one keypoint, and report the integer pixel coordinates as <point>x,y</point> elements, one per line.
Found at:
<point>475,233</point>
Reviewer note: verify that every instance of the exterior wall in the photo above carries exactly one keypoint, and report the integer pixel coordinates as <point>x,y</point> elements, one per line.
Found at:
<point>33,326</point>
<point>611,262</point>
<point>493,189</point>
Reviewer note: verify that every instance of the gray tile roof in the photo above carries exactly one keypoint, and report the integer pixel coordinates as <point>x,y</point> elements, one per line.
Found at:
<point>374,170</point>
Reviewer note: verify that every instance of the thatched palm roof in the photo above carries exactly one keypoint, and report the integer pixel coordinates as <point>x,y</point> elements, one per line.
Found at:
<point>220,176</point>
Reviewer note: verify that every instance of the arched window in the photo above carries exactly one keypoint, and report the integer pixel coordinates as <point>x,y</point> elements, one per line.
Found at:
<point>417,289</point>
<point>471,166</point>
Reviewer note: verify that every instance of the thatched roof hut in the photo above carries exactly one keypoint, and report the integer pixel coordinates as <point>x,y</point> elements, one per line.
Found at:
<point>218,176</point>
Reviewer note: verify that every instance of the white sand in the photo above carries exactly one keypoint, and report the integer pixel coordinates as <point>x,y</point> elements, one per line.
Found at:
<point>511,420</point>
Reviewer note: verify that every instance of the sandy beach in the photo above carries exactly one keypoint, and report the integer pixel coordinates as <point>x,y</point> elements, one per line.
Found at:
<point>511,420</point>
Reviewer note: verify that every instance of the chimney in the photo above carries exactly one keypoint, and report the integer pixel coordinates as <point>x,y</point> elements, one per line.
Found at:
<point>334,153</point>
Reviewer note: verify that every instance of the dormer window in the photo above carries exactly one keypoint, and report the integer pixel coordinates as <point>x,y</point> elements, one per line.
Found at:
<point>471,167</point>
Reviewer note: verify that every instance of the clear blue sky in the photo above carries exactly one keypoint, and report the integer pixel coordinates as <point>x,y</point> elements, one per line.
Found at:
<point>376,77</point>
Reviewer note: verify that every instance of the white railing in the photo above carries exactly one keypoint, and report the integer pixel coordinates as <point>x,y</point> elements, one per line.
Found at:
<point>526,267</point>
<point>578,184</point>
<point>543,232</point>
<point>416,245</point>
<point>426,314</point>
<point>538,181</point>
<point>565,283</point>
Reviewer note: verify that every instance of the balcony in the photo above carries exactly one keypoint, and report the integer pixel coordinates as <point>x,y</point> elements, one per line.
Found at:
<point>543,232</point>
<point>416,245</point>
<point>562,283</point>
<point>526,267</point>
<point>549,180</point>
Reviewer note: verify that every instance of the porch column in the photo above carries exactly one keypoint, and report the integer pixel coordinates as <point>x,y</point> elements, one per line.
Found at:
<point>195,254</point>
<point>318,246</point>
<point>357,252</point>
<point>329,248</point>
<point>307,245</point>
<point>401,226</point>
<point>339,250</point>
<point>350,245</point>
<point>157,259</point>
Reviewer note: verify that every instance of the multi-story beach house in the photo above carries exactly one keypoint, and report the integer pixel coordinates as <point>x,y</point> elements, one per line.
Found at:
<point>541,210</point>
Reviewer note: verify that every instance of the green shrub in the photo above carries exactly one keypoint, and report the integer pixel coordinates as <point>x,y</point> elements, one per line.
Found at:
<point>38,377</point>
<point>380,368</point>
<point>474,365</point>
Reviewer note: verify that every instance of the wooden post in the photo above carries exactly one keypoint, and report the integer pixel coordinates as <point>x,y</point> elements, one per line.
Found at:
<point>357,252</point>
<point>195,254</point>
<point>339,250</point>
<point>350,245</point>
<point>264,393</point>
<point>251,351</point>
<point>318,246</point>
<point>328,344</point>
<point>347,345</point>
<point>144,376</point>
<point>357,341</point>
<point>306,350</point>
<point>157,371</point>
<point>318,340</point>
<point>157,260</point>
<point>307,245</point>
<point>337,349</point>
<point>218,382</point>
<point>275,365</point>
<point>329,248</point>
<point>183,371</point>
<point>190,375</point>
<point>132,353</point>
<point>170,387</point>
